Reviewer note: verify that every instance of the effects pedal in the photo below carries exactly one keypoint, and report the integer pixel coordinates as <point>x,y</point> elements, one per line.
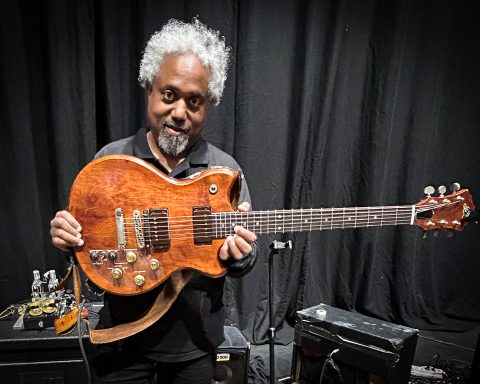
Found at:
<point>40,314</point>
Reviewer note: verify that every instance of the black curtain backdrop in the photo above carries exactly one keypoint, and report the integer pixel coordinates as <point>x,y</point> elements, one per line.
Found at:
<point>328,104</point>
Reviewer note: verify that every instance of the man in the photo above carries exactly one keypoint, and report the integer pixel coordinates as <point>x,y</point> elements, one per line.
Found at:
<point>183,69</point>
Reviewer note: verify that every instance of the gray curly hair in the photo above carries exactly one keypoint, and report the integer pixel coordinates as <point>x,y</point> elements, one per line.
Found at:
<point>177,37</point>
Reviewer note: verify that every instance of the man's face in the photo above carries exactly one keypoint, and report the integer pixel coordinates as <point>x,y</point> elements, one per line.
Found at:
<point>177,103</point>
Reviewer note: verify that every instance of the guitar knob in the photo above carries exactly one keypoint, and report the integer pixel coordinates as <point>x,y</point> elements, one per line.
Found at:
<point>131,256</point>
<point>442,189</point>
<point>94,255</point>
<point>117,273</point>
<point>112,255</point>
<point>429,190</point>
<point>455,187</point>
<point>154,264</point>
<point>139,280</point>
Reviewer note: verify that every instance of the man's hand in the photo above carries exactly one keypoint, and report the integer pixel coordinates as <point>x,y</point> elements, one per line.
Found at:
<point>65,231</point>
<point>240,244</point>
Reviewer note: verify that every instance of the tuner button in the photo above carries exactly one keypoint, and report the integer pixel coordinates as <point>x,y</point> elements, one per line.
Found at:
<point>154,264</point>
<point>455,222</point>
<point>442,189</point>
<point>139,280</point>
<point>131,256</point>
<point>430,223</point>
<point>443,222</point>
<point>455,187</point>
<point>117,273</point>
<point>112,255</point>
<point>429,190</point>
<point>94,255</point>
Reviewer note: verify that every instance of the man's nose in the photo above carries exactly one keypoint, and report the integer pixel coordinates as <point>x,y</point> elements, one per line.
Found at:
<point>179,111</point>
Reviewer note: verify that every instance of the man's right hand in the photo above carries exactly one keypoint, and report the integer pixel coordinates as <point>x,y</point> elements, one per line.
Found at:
<point>65,231</point>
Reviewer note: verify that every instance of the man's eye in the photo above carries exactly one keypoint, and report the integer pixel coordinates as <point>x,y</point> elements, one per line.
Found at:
<point>195,101</point>
<point>168,95</point>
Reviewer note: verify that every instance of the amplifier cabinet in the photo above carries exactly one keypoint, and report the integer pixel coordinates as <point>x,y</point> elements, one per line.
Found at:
<point>384,350</point>
<point>41,356</point>
<point>233,357</point>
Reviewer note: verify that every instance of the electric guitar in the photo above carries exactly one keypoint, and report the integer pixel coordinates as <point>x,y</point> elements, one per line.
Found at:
<point>140,226</point>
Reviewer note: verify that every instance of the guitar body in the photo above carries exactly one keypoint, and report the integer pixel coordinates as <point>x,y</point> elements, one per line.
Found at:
<point>137,223</point>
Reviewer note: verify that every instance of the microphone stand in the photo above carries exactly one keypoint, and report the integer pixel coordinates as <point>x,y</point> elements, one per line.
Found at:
<point>274,249</point>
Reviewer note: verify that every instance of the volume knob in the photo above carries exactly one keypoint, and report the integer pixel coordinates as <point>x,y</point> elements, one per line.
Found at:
<point>131,256</point>
<point>154,264</point>
<point>117,273</point>
<point>139,280</point>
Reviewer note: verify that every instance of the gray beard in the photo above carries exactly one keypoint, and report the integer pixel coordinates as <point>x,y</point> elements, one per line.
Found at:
<point>173,145</point>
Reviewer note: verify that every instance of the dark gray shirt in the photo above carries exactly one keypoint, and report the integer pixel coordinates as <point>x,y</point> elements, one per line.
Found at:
<point>194,324</point>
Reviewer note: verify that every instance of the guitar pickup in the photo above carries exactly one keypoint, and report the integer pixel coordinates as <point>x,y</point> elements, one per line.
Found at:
<point>158,231</point>
<point>202,225</point>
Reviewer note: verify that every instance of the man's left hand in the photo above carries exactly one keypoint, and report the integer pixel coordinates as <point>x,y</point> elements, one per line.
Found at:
<point>240,244</point>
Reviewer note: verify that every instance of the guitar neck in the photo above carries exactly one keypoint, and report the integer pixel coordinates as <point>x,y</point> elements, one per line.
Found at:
<point>318,219</point>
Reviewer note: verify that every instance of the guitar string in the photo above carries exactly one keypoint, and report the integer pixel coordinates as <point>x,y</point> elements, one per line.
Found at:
<point>259,216</point>
<point>242,217</point>
<point>315,211</point>
<point>213,229</point>
<point>269,215</point>
<point>255,220</point>
<point>223,232</point>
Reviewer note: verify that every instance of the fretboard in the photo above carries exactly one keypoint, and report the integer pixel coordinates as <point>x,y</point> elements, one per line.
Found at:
<point>318,219</point>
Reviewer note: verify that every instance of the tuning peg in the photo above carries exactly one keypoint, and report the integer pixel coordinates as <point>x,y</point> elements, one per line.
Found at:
<point>441,190</point>
<point>429,190</point>
<point>455,187</point>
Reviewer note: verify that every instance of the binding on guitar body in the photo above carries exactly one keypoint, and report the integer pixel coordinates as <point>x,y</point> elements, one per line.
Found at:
<point>139,226</point>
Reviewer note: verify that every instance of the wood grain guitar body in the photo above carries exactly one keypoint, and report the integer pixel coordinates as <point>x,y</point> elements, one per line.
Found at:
<point>139,226</point>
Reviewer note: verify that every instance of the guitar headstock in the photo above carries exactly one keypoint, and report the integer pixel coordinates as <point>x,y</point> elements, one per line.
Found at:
<point>444,211</point>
